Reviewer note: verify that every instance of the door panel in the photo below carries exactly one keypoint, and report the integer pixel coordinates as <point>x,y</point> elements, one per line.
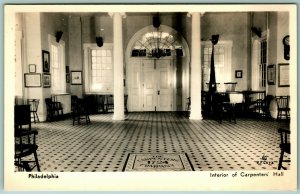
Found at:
<point>149,85</point>
<point>164,85</point>
<point>134,100</point>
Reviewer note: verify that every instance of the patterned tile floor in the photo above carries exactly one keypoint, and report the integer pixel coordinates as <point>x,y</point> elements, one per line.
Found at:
<point>105,144</point>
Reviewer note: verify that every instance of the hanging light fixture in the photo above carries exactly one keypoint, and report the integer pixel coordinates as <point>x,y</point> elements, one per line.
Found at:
<point>157,51</point>
<point>157,43</point>
<point>99,31</point>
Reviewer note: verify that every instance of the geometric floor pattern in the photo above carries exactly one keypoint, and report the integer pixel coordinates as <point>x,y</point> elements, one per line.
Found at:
<point>104,144</point>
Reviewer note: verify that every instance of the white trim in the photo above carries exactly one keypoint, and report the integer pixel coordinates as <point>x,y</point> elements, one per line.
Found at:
<point>61,47</point>
<point>256,58</point>
<point>255,63</point>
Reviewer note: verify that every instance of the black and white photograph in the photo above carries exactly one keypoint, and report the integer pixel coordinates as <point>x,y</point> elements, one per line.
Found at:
<point>46,61</point>
<point>46,80</point>
<point>201,108</point>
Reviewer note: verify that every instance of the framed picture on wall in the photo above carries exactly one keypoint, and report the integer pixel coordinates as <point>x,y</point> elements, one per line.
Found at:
<point>46,80</point>
<point>238,74</point>
<point>283,75</point>
<point>32,79</point>
<point>76,77</point>
<point>46,61</point>
<point>271,74</point>
<point>32,68</point>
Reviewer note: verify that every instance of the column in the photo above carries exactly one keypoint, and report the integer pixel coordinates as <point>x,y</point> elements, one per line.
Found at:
<point>196,67</point>
<point>118,66</point>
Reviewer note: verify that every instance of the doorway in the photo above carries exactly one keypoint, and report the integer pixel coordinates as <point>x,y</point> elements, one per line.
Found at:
<point>157,84</point>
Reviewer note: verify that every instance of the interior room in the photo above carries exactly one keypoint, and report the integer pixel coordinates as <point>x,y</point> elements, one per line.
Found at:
<point>152,91</point>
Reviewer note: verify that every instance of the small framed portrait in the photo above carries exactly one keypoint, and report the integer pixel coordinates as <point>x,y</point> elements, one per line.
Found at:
<point>76,77</point>
<point>271,74</point>
<point>238,74</point>
<point>32,68</point>
<point>46,61</point>
<point>32,79</point>
<point>46,80</point>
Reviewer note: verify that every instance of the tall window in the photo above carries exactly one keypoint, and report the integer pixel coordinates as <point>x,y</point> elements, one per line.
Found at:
<point>222,61</point>
<point>259,60</point>
<point>57,65</point>
<point>98,68</point>
<point>263,63</point>
<point>101,68</point>
<point>219,61</point>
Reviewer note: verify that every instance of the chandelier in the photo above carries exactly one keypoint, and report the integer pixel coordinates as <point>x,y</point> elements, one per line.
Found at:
<point>157,43</point>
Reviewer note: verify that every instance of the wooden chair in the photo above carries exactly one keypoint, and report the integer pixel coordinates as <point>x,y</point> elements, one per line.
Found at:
<point>49,107</point>
<point>259,103</point>
<point>34,104</point>
<point>54,109</point>
<point>58,109</point>
<point>230,106</point>
<point>80,111</point>
<point>73,102</point>
<point>263,105</point>
<point>25,144</point>
<point>283,109</point>
<point>22,117</point>
<point>109,105</point>
<point>285,146</point>
<point>100,103</point>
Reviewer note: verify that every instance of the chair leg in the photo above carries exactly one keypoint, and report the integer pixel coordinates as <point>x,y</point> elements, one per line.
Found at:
<point>87,119</point>
<point>36,117</point>
<point>233,113</point>
<point>38,120</point>
<point>280,160</point>
<point>18,164</point>
<point>37,162</point>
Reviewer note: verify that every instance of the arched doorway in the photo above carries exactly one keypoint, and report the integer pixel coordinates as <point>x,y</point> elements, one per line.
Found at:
<point>157,79</point>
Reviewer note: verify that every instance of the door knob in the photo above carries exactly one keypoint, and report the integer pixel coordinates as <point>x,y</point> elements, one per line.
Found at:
<point>158,92</point>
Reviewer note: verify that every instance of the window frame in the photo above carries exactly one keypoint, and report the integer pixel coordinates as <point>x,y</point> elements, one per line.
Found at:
<point>263,61</point>
<point>227,46</point>
<point>62,69</point>
<point>256,82</point>
<point>87,49</point>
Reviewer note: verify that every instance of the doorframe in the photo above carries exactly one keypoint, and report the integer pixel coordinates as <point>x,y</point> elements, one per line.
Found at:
<point>185,62</point>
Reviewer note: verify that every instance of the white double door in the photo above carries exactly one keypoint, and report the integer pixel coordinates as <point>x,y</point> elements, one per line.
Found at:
<point>157,85</point>
<point>150,85</point>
